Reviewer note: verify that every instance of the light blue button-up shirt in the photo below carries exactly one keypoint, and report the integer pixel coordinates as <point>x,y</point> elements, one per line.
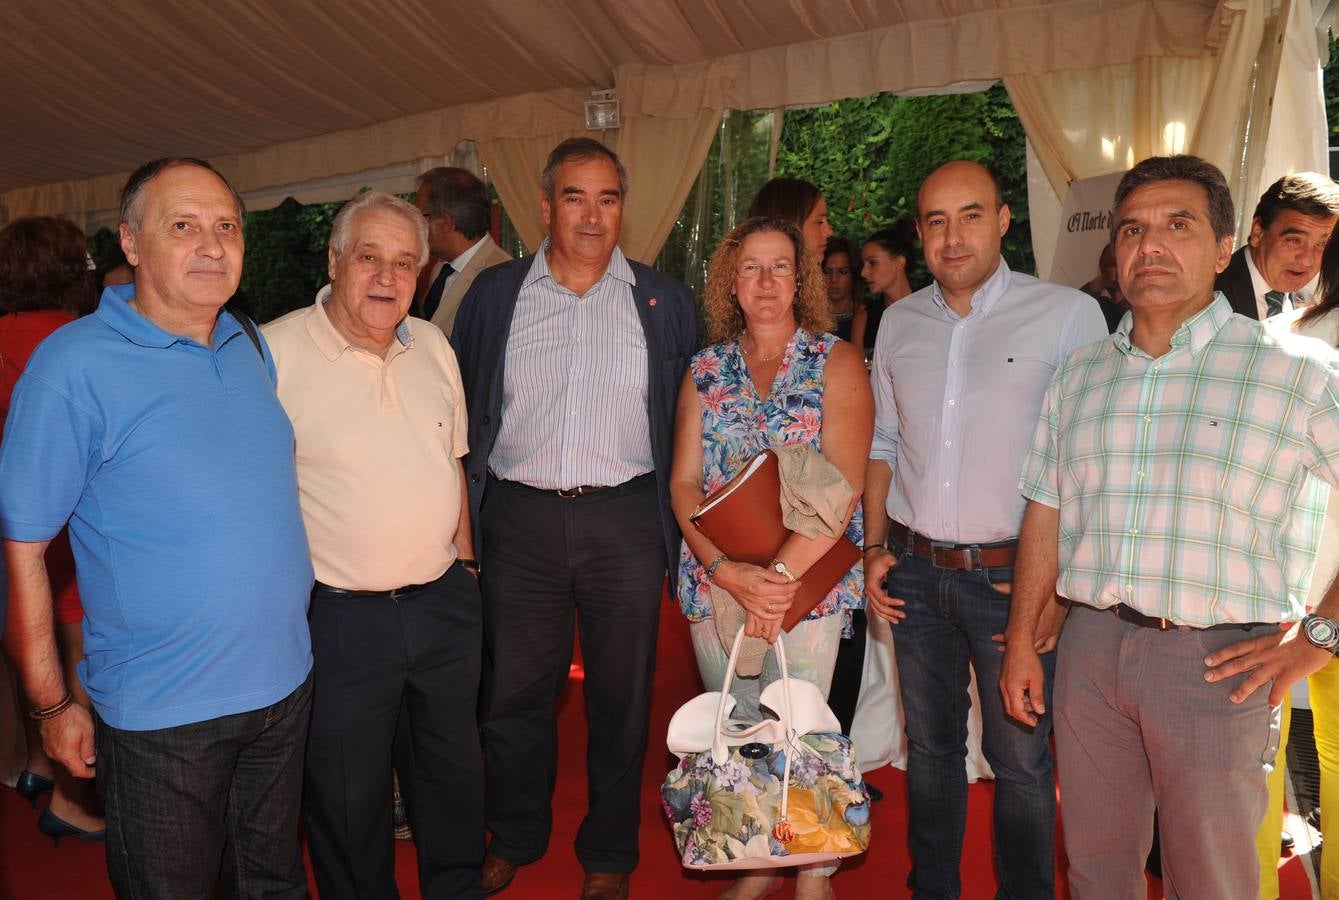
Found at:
<point>957,399</point>
<point>574,402</point>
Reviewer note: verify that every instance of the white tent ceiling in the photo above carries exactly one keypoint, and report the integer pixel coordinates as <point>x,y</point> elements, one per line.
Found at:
<point>283,91</point>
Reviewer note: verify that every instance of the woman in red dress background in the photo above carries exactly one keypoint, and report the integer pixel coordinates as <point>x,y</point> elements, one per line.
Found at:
<point>45,282</point>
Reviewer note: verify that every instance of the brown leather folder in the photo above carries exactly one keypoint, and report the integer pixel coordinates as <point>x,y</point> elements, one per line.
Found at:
<point>743,518</point>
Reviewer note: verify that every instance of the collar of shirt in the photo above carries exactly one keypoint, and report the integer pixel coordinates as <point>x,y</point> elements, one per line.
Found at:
<point>463,259</point>
<point>985,297</point>
<point>1197,331</point>
<point>1262,287</point>
<point>114,310</point>
<point>327,336</point>
<point>617,268</point>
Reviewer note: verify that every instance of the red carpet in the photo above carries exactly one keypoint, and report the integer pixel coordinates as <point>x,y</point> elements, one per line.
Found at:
<point>31,869</point>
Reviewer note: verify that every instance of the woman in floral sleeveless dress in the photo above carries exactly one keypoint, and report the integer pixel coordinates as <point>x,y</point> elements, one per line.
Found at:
<point>773,376</point>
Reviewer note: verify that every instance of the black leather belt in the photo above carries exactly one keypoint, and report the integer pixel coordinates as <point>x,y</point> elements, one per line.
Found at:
<point>966,557</point>
<point>585,490</point>
<point>1135,617</point>
<point>394,594</point>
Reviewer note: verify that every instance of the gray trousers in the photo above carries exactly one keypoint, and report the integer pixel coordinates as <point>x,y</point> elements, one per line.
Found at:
<point>1138,727</point>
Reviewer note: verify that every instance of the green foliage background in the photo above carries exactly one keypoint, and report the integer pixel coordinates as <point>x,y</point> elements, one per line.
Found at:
<point>869,156</point>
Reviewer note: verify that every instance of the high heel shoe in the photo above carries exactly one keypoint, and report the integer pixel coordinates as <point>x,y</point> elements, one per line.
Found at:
<point>54,827</point>
<point>31,786</point>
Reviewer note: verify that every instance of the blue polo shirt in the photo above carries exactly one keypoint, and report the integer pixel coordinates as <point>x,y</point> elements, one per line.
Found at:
<point>173,464</point>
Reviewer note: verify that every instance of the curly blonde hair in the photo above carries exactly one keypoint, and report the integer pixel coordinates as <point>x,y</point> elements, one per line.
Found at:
<point>725,320</point>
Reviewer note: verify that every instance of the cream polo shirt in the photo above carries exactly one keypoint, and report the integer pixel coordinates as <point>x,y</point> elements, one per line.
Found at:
<point>377,444</point>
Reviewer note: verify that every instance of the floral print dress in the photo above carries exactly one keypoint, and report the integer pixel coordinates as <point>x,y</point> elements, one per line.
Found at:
<point>737,425</point>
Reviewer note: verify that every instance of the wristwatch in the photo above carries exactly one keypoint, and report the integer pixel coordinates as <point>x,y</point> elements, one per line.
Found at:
<point>1321,632</point>
<point>783,570</point>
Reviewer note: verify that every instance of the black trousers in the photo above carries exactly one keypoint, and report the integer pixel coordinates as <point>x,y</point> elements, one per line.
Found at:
<point>373,658</point>
<point>598,560</point>
<point>849,672</point>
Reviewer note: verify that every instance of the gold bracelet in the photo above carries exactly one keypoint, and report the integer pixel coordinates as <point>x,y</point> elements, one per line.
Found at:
<point>51,712</point>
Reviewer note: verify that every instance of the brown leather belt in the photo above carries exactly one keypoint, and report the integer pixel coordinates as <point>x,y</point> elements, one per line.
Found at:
<point>1135,617</point>
<point>966,557</point>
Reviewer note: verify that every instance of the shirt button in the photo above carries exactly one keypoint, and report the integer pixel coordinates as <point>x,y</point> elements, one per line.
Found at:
<point>574,412</point>
<point>1148,418</point>
<point>946,484</point>
<point>1134,531</point>
<point>948,443</point>
<point>956,363</point>
<point>1141,473</point>
<point>1129,588</point>
<point>953,403</point>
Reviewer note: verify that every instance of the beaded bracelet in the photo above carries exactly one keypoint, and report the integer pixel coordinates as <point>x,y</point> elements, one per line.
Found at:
<point>716,564</point>
<point>52,711</point>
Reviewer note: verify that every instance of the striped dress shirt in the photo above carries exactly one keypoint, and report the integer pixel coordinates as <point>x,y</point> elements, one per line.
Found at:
<point>1186,484</point>
<point>574,403</point>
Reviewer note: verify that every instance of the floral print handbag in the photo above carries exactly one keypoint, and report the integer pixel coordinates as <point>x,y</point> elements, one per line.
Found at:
<point>781,792</point>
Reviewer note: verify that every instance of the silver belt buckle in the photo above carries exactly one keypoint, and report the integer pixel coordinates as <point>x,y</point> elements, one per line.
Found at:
<point>936,546</point>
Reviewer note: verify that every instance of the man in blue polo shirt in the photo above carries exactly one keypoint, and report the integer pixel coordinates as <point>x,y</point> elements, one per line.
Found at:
<point>152,427</point>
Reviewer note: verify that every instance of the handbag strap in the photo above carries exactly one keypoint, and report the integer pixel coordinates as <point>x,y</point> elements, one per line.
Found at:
<point>719,753</point>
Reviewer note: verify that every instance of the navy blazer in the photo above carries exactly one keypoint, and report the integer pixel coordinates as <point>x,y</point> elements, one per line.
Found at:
<point>669,319</point>
<point>1235,282</point>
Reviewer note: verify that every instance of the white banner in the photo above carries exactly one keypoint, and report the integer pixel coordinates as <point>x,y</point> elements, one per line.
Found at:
<point>1085,228</point>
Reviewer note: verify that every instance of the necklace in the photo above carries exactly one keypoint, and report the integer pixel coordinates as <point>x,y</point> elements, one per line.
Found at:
<point>759,357</point>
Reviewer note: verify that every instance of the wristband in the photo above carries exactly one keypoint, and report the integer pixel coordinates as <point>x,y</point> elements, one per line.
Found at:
<point>869,547</point>
<point>51,712</point>
<point>716,564</point>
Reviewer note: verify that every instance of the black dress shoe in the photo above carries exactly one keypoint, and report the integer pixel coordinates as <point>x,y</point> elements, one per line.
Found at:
<point>875,795</point>
<point>1287,844</point>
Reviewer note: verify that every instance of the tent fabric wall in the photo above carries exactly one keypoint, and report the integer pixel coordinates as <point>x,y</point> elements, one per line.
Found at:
<point>251,78</point>
<point>981,41</point>
<point>1262,87</point>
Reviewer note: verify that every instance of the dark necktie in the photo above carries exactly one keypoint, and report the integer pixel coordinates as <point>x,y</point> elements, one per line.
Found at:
<point>1273,303</point>
<point>434,295</point>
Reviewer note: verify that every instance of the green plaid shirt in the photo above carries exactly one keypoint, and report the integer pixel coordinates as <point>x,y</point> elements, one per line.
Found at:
<point>1185,483</point>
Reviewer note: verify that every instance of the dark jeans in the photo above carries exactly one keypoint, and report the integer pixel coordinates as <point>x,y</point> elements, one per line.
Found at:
<point>185,804</point>
<point>598,561</point>
<point>382,664</point>
<point>950,618</point>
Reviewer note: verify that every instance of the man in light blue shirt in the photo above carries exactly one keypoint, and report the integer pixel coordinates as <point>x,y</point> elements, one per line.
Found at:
<point>152,428</point>
<point>960,369</point>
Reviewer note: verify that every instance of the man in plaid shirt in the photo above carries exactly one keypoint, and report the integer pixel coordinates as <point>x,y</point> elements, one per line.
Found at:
<point>1173,498</point>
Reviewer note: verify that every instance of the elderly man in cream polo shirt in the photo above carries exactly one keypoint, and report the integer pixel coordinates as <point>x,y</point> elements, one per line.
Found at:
<point>379,418</point>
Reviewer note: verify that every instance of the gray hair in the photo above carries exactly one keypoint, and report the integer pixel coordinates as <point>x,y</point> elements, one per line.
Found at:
<point>580,150</point>
<point>378,200</point>
<point>1182,167</point>
<point>132,193</point>
<point>460,195</point>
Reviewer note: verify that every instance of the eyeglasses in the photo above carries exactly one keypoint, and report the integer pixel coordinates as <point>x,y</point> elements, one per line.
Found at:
<point>843,271</point>
<point>782,268</point>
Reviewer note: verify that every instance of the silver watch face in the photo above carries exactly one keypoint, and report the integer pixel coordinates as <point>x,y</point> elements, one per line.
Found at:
<point>1321,632</point>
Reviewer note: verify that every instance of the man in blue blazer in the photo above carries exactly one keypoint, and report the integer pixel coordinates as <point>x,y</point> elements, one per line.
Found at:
<point>571,360</point>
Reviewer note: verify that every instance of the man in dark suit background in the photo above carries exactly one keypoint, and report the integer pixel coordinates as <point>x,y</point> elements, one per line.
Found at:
<point>459,213</point>
<point>1291,224</point>
<point>571,360</point>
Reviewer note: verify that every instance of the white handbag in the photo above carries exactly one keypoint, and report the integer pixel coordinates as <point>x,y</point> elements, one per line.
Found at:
<point>780,792</point>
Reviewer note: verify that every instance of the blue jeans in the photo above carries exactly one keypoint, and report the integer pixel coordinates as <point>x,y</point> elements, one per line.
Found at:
<point>951,616</point>
<point>189,804</point>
